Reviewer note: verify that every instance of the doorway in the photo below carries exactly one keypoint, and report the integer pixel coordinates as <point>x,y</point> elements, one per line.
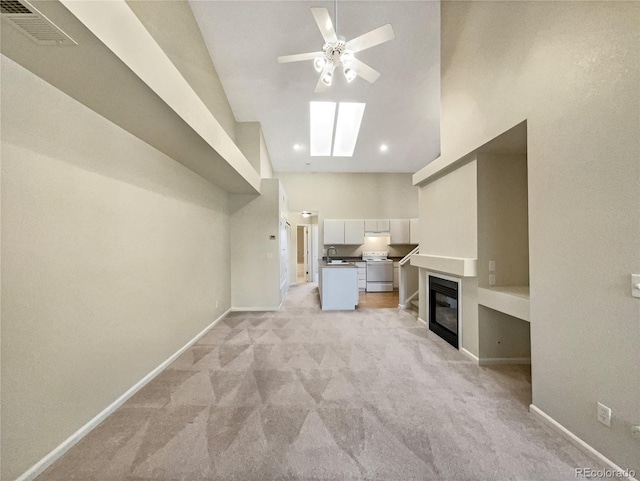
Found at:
<point>303,256</point>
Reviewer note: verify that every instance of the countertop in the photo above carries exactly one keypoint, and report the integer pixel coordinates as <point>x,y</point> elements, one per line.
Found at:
<point>359,259</point>
<point>324,263</point>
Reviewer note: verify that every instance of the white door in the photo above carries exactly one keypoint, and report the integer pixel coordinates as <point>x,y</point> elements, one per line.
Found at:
<point>314,253</point>
<point>284,256</point>
<point>306,253</point>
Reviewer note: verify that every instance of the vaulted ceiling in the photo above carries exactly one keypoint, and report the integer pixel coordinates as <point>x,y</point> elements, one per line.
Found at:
<point>245,38</point>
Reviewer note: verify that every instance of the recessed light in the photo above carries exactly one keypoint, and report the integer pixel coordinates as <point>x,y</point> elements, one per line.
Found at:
<point>308,163</point>
<point>297,147</point>
<point>384,148</point>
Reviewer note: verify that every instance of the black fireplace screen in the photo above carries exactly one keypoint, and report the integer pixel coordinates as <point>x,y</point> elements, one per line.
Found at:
<point>443,309</point>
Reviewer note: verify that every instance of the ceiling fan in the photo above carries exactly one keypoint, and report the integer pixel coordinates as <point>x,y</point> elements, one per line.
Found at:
<point>337,53</point>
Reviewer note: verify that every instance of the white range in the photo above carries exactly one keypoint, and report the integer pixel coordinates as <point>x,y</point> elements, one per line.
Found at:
<point>379,271</point>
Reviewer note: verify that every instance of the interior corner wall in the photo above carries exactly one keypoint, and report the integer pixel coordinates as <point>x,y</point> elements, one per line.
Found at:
<point>572,70</point>
<point>449,214</point>
<point>255,248</point>
<point>113,256</point>
<point>174,27</point>
<point>503,219</point>
<point>248,136</point>
<point>266,168</point>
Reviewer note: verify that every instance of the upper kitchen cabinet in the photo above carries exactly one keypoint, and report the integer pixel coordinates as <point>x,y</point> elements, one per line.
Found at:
<point>414,234</point>
<point>348,232</point>
<point>333,232</point>
<point>399,231</point>
<point>376,226</point>
<point>354,232</point>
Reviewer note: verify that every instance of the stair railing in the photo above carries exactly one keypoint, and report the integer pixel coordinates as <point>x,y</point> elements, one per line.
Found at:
<point>407,280</point>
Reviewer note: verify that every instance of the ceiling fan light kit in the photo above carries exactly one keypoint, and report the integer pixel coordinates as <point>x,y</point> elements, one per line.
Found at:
<point>338,53</point>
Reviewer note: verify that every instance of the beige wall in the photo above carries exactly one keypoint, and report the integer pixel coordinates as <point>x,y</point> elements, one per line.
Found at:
<point>344,196</point>
<point>255,256</point>
<point>266,168</point>
<point>175,29</point>
<point>449,214</point>
<point>113,257</point>
<point>503,219</point>
<point>572,70</point>
<point>248,137</point>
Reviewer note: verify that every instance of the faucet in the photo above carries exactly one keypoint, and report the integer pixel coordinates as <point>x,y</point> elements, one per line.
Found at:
<point>329,252</point>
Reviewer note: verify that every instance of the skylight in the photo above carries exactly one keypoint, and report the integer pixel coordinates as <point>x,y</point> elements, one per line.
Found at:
<point>322,115</point>
<point>347,128</point>
<point>322,118</point>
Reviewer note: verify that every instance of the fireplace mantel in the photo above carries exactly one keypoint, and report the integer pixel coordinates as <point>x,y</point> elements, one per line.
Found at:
<point>456,266</point>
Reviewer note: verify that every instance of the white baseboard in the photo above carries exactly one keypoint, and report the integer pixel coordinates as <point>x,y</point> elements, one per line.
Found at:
<point>493,361</point>
<point>470,355</point>
<point>577,442</point>
<point>255,309</point>
<point>68,443</point>
<point>423,321</point>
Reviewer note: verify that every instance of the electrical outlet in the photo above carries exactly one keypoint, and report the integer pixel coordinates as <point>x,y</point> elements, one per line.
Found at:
<point>635,431</point>
<point>492,280</point>
<point>492,266</point>
<point>604,414</point>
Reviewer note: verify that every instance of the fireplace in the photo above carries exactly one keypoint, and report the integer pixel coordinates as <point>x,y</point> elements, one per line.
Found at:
<point>443,309</point>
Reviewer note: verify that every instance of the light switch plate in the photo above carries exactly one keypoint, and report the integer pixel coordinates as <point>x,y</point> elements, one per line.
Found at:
<point>492,266</point>
<point>635,285</point>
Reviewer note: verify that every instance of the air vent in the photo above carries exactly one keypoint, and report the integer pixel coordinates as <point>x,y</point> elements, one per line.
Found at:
<point>23,16</point>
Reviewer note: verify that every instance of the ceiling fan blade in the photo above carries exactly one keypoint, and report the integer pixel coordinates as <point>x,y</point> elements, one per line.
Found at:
<point>364,71</point>
<point>320,86</point>
<point>325,25</point>
<point>300,56</point>
<point>371,39</point>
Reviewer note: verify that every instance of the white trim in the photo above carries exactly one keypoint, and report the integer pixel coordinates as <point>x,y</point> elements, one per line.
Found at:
<point>412,296</point>
<point>152,65</point>
<point>575,440</point>
<point>68,443</point>
<point>423,321</point>
<point>457,266</point>
<point>512,300</point>
<point>407,258</point>
<point>254,309</point>
<point>470,355</point>
<point>492,361</point>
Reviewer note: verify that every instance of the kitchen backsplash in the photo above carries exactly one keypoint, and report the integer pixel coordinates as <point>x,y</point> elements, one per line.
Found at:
<point>371,244</point>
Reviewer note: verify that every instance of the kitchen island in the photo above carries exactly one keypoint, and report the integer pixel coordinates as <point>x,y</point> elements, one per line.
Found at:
<point>338,286</point>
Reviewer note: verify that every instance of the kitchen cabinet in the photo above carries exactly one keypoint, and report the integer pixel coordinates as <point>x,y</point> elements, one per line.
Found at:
<point>362,275</point>
<point>338,287</point>
<point>396,275</point>
<point>399,231</point>
<point>376,225</point>
<point>414,234</point>
<point>353,232</point>
<point>333,232</point>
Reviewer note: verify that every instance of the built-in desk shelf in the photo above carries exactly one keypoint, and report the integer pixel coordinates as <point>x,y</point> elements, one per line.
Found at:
<point>512,300</point>
<point>457,266</point>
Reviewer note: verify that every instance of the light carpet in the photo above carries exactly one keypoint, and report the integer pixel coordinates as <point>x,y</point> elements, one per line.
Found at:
<point>302,394</point>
